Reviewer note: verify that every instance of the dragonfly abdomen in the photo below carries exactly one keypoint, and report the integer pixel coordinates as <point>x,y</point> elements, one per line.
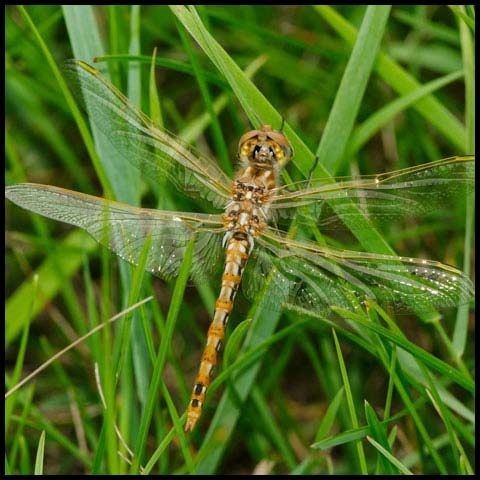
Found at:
<point>238,250</point>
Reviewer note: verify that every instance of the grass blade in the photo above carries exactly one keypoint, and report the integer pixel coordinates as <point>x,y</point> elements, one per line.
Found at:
<point>351,89</point>
<point>40,455</point>
<point>165,345</point>
<point>468,53</point>
<point>388,456</point>
<point>351,406</point>
<point>401,81</point>
<point>86,45</point>
<point>379,435</point>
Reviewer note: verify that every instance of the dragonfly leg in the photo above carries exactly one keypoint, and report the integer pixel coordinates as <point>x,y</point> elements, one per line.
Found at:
<point>314,166</point>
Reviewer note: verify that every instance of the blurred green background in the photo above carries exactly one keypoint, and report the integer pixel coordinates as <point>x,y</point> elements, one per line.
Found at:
<point>297,56</point>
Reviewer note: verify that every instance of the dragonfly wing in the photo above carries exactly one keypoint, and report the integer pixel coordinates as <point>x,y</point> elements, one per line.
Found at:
<point>382,198</point>
<point>155,152</point>
<point>291,281</point>
<point>315,278</point>
<point>124,229</point>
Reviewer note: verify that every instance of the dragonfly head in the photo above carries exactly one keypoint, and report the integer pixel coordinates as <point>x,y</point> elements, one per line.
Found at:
<point>265,148</point>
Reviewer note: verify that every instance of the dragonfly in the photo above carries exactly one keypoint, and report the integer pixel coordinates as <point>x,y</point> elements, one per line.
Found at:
<point>245,236</point>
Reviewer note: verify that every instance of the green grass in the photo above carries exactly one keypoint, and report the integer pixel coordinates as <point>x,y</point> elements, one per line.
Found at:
<point>367,90</point>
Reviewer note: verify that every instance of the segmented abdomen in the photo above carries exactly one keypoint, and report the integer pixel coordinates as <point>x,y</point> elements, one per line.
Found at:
<point>238,250</point>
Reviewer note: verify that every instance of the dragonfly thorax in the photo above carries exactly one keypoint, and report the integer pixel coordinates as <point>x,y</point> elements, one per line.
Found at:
<point>247,213</point>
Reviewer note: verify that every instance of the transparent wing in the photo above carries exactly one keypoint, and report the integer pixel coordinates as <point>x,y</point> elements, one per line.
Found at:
<point>155,152</point>
<point>124,229</point>
<point>315,278</point>
<point>385,197</point>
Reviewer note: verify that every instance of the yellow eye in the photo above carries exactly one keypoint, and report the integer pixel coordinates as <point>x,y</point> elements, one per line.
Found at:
<point>278,152</point>
<point>246,148</point>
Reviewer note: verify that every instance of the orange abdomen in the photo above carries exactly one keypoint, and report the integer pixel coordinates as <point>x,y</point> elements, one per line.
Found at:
<point>238,250</point>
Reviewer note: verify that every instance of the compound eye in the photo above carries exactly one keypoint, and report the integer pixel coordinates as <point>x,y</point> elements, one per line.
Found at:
<point>246,148</point>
